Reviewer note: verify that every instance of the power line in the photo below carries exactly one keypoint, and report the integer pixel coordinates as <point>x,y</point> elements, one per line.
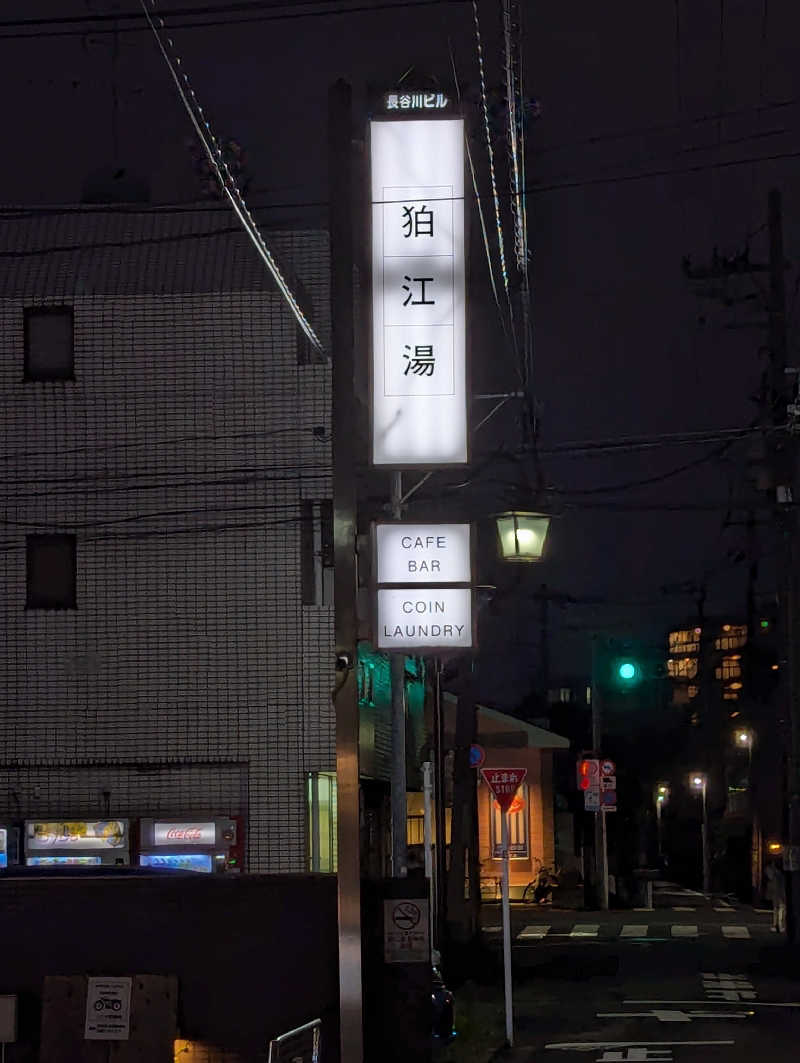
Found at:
<point>34,29</point>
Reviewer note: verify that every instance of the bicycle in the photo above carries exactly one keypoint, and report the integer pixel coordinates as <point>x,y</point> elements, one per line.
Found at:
<point>540,889</point>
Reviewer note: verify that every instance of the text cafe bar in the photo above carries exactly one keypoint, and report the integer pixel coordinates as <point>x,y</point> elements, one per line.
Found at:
<point>423,592</point>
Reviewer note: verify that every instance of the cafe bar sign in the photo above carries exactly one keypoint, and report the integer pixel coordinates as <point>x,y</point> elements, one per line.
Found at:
<point>419,396</point>
<point>424,592</point>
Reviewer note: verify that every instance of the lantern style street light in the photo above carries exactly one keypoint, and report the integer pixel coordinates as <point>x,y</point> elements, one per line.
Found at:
<point>522,535</point>
<point>699,783</point>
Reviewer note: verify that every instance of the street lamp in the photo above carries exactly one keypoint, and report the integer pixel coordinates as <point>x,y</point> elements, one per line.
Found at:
<point>662,796</point>
<point>699,782</point>
<point>744,740</point>
<point>522,535</point>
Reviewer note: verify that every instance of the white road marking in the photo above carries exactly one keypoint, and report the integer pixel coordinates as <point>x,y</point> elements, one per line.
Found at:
<point>584,930</point>
<point>754,1004</point>
<point>592,1046</point>
<point>725,909</point>
<point>493,929</point>
<point>532,933</point>
<point>668,1015</point>
<point>736,932</point>
<point>634,930</point>
<point>680,930</point>
<point>678,908</point>
<point>643,909</point>
<point>763,911</point>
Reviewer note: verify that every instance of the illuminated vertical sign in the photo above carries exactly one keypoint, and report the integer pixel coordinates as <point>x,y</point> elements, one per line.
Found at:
<point>419,400</point>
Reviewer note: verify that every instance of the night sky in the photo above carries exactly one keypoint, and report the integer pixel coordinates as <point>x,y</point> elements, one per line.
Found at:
<point>663,126</point>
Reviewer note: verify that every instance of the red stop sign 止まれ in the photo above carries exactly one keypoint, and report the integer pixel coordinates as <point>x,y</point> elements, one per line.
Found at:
<point>504,783</point>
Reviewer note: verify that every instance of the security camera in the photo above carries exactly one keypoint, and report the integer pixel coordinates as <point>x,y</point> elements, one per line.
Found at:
<point>344,661</point>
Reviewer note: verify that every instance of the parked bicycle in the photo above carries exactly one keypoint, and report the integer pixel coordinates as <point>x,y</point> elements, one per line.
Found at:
<point>540,889</point>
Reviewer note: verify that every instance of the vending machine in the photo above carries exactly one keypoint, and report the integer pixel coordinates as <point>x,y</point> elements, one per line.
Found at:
<point>188,844</point>
<point>9,846</point>
<point>82,843</point>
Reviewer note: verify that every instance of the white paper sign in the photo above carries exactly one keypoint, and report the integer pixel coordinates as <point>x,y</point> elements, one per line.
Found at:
<point>423,553</point>
<point>405,932</point>
<point>411,618</point>
<point>108,1009</point>
<point>419,403</point>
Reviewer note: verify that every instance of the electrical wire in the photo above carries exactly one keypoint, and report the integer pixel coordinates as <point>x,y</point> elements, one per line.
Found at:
<point>489,148</point>
<point>34,30</point>
<point>227,181</point>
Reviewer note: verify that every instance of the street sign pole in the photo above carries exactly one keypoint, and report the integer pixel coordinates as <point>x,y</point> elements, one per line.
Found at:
<point>504,783</point>
<point>507,935</point>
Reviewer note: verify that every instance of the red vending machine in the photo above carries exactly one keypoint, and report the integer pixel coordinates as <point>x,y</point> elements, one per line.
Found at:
<point>204,845</point>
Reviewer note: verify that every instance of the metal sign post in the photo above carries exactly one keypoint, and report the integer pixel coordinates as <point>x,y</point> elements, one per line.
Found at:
<point>504,783</point>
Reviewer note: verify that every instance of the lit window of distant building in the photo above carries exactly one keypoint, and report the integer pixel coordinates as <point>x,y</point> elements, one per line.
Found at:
<point>682,667</point>
<point>731,668</point>
<point>682,642</point>
<point>732,637</point>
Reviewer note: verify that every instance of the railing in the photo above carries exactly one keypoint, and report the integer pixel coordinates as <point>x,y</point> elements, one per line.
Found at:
<point>298,1046</point>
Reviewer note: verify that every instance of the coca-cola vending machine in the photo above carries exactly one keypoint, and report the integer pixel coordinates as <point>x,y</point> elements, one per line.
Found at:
<point>188,844</point>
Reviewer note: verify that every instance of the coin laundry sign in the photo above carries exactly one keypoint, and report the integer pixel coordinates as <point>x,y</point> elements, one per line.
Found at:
<point>419,405</point>
<point>418,612</point>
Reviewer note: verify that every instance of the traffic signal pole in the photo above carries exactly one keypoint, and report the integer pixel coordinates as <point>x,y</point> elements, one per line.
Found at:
<point>345,696</point>
<point>600,839</point>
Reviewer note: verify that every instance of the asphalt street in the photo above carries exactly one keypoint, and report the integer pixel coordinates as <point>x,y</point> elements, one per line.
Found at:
<point>693,979</point>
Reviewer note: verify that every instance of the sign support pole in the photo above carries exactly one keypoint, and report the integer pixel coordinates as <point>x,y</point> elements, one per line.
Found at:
<point>507,935</point>
<point>398,771</point>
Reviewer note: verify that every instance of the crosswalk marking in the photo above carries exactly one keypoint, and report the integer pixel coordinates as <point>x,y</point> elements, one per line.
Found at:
<point>680,930</point>
<point>680,908</point>
<point>634,930</point>
<point>584,930</point>
<point>532,933</point>
<point>736,932</point>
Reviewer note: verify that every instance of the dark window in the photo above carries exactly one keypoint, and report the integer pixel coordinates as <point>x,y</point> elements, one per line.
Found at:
<point>51,572</point>
<point>316,553</point>
<point>307,353</point>
<point>49,343</point>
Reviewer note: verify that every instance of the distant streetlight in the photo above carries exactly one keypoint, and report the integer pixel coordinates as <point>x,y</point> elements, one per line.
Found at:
<point>662,796</point>
<point>699,783</point>
<point>522,535</point>
<point>744,740</point>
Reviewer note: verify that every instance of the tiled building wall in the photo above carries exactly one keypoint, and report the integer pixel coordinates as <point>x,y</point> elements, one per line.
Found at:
<point>189,679</point>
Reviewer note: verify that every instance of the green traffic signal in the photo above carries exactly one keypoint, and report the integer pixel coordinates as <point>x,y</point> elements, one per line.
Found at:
<point>627,672</point>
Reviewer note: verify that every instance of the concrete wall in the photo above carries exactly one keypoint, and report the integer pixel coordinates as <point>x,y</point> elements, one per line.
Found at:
<point>254,956</point>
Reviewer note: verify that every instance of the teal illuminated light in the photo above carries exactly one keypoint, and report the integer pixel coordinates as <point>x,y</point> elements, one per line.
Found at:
<point>627,670</point>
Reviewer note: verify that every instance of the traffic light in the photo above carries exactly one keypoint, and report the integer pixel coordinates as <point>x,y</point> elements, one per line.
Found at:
<point>626,672</point>
<point>584,774</point>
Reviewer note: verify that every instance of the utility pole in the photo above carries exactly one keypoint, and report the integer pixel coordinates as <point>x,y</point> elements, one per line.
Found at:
<point>600,840</point>
<point>351,1036</point>
<point>784,465</point>
<point>398,774</point>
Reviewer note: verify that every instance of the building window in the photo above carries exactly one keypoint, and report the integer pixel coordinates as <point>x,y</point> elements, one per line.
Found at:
<point>322,822</point>
<point>51,572</point>
<point>682,667</point>
<point>366,682</point>
<point>49,343</point>
<point>517,826</point>
<point>731,668</point>
<point>316,558</point>
<point>733,637</point>
<point>307,353</point>
<point>681,642</point>
<point>415,830</point>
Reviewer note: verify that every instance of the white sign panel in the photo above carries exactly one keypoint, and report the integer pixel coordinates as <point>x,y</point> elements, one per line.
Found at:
<point>108,1009</point>
<point>411,618</point>
<point>423,553</point>
<point>184,833</point>
<point>419,401</point>
<point>405,932</point>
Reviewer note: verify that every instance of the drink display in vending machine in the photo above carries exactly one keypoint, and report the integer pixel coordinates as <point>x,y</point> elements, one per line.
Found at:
<point>187,844</point>
<point>82,843</point>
